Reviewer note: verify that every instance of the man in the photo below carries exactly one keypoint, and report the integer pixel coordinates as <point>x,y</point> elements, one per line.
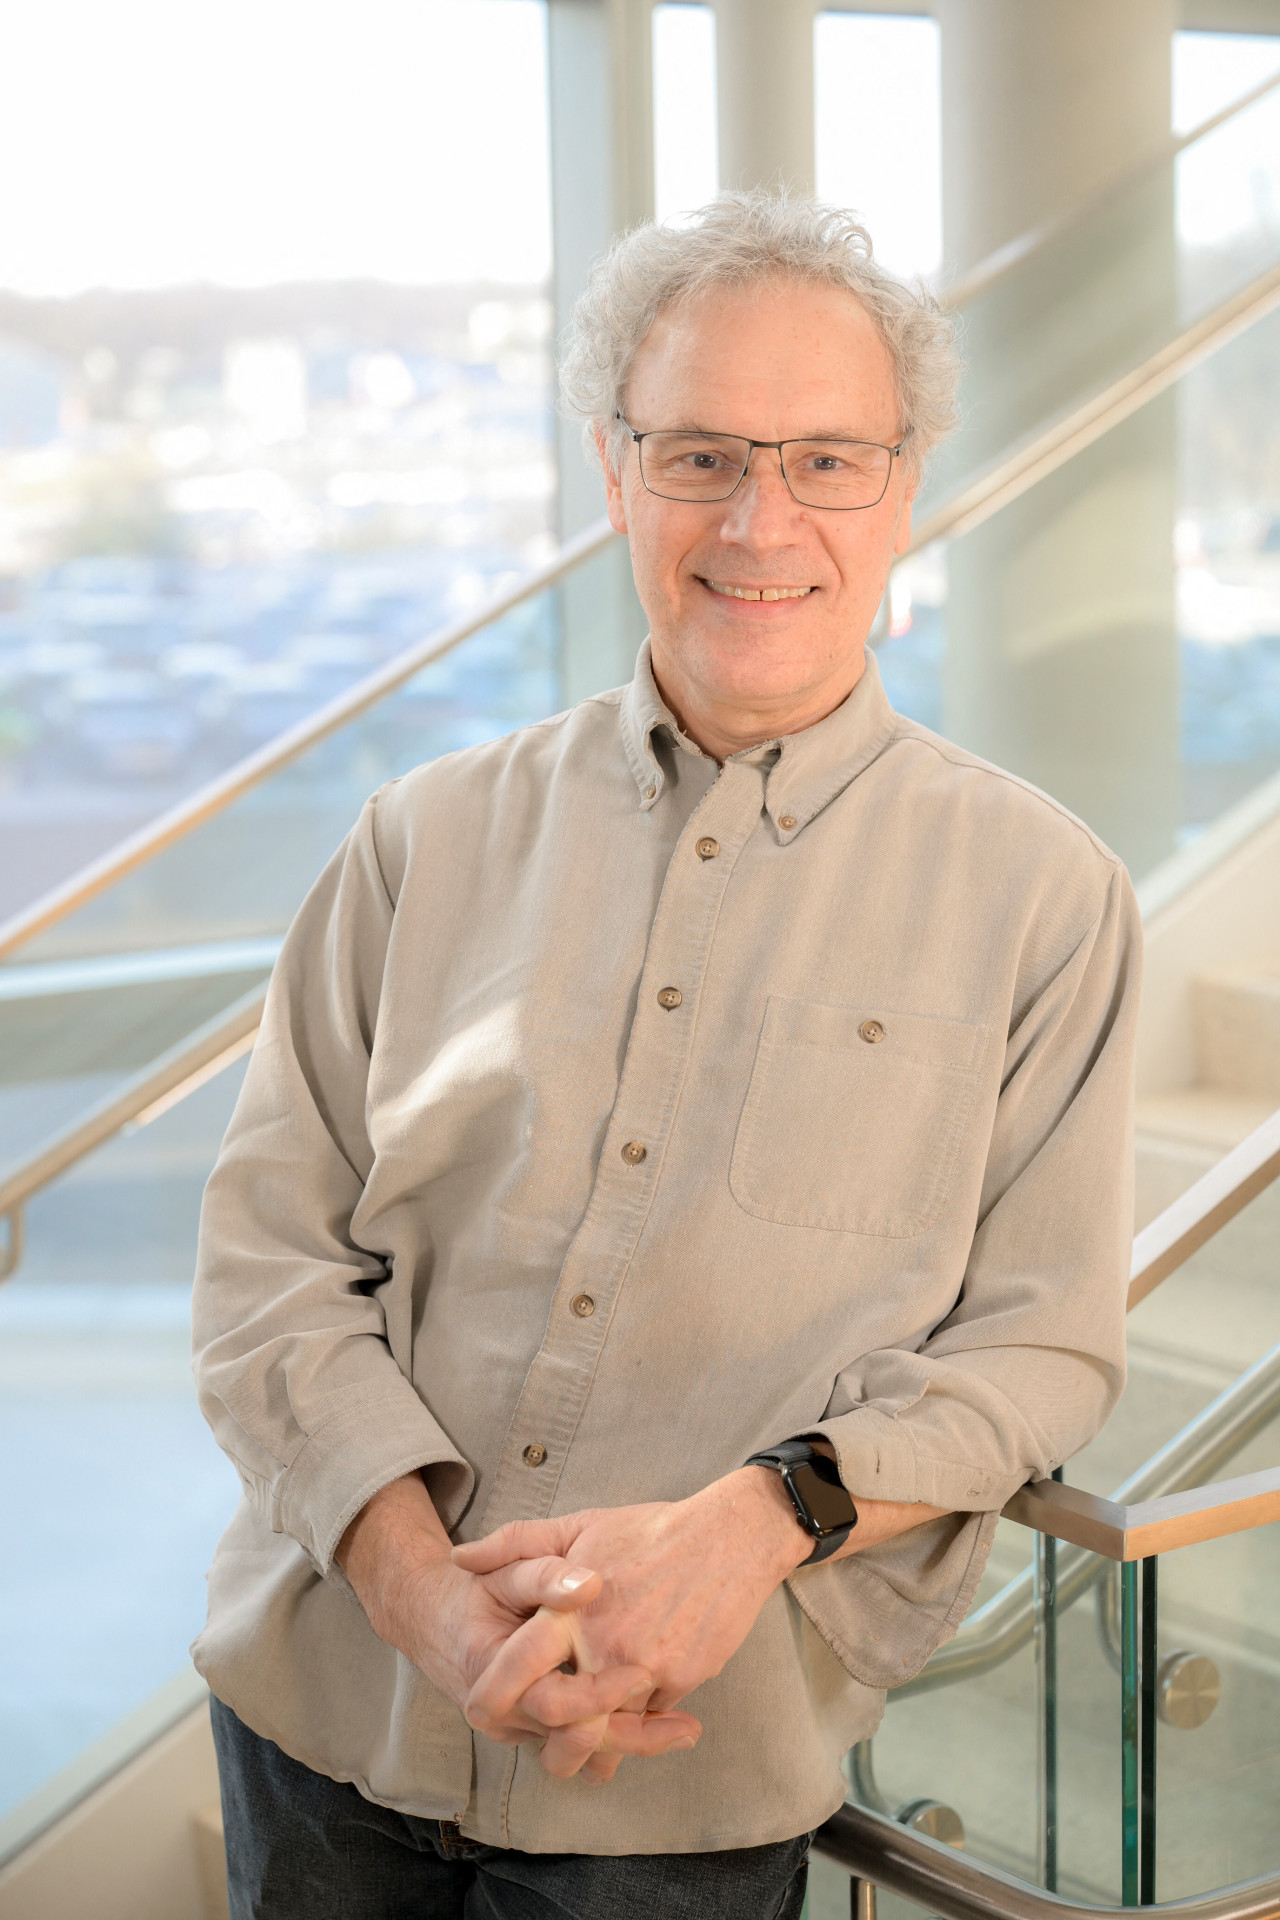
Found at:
<point>726,1068</point>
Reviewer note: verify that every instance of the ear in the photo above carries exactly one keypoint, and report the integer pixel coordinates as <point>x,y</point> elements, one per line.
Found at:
<point>616,506</point>
<point>902,533</point>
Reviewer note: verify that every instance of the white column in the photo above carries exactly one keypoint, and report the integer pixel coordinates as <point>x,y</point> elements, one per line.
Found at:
<point>600,63</point>
<point>1062,652</point>
<point>764,93</point>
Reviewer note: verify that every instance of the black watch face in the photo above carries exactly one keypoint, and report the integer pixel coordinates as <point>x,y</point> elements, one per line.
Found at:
<point>827,1501</point>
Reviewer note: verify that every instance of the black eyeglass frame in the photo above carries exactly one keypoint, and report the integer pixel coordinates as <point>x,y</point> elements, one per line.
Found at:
<point>773,446</point>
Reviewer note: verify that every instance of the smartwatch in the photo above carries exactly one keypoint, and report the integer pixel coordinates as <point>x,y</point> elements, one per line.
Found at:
<point>823,1507</point>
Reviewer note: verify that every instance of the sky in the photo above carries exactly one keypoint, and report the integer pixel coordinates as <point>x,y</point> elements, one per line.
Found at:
<point>156,142</point>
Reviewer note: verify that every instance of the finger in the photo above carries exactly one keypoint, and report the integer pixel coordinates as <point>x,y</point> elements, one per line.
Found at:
<point>526,1585</point>
<point>567,1749</point>
<point>560,1698</point>
<point>518,1540</point>
<point>649,1734</point>
<point>596,1749</point>
<point>546,1641</point>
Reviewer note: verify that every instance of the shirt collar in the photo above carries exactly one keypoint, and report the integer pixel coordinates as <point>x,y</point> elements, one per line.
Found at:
<point>803,771</point>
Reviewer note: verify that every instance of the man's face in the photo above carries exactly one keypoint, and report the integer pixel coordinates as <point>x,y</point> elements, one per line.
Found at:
<point>779,362</point>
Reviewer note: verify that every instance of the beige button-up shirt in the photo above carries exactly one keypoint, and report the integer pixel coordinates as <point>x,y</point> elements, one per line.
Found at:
<point>615,1115</point>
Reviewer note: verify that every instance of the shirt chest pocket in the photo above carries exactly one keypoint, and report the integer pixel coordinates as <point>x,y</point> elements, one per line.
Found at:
<point>854,1117</point>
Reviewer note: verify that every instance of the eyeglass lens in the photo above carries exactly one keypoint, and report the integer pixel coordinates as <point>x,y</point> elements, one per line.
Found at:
<point>820,473</point>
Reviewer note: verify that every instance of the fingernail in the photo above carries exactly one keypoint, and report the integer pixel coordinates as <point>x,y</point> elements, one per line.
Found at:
<point>636,1697</point>
<point>683,1746</point>
<point>570,1582</point>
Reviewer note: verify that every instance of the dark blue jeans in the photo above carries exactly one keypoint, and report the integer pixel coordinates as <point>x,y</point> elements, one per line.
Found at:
<point>303,1847</point>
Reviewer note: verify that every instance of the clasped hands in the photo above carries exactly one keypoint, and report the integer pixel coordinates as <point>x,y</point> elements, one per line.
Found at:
<point>584,1632</point>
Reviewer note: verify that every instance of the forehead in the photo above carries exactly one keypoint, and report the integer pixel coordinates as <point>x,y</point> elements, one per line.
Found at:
<point>777,359</point>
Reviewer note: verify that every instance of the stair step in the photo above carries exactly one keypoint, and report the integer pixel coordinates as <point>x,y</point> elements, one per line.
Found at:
<point>1237,1033</point>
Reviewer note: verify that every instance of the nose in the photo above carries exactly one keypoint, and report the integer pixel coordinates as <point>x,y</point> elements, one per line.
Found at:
<point>761,512</point>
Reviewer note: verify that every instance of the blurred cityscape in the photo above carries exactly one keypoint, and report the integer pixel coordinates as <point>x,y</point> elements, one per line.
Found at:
<point>220,507</point>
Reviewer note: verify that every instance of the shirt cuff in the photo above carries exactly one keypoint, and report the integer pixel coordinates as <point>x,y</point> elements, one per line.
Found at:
<point>880,1459</point>
<point>368,1441</point>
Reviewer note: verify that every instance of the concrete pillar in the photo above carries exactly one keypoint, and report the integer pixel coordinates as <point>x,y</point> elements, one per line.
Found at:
<point>764,93</point>
<point>1062,651</point>
<point>600,61</point>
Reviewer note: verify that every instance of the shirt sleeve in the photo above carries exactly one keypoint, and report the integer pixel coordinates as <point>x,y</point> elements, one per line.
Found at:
<point>1030,1361</point>
<point>295,1372</point>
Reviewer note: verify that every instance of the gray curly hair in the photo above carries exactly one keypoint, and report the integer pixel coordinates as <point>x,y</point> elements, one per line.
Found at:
<point>736,240</point>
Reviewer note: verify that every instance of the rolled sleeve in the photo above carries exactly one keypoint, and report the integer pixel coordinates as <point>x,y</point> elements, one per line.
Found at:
<point>1025,1369</point>
<point>294,1369</point>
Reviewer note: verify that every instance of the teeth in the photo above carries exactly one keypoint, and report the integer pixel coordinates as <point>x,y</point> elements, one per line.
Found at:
<point>760,593</point>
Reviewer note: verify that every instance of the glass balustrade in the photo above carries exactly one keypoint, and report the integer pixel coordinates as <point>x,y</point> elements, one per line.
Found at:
<point>1043,1750</point>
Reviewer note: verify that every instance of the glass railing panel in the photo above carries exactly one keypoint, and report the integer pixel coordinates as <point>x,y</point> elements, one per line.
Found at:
<point>1204,1377</point>
<point>1113,635</point>
<point>109,1478</point>
<point>1110,287</point>
<point>1218,1784</point>
<point>242,873</point>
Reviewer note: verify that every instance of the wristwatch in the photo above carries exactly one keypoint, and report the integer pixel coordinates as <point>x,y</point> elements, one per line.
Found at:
<point>823,1507</point>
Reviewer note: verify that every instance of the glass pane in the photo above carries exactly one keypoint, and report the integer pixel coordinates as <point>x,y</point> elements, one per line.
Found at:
<point>108,1475</point>
<point>242,874</point>
<point>1218,1784</point>
<point>1114,635</point>
<point>269,411</point>
<point>1118,281</point>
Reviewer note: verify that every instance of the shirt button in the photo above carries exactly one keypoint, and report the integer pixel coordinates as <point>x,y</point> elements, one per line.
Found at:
<point>871,1031</point>
<point>786,821</point>
<point>634,1152</point>
<point>583,1305</point>
<point>669,998</point>
<point>707,849</point>
<point>534,1455</point>
<point>650,793</point>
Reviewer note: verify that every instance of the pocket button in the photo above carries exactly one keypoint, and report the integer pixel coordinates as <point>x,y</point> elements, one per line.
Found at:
<point>871,1031</point>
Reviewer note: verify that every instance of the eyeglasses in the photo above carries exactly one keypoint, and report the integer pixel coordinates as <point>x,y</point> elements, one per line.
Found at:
<point>840,475</point>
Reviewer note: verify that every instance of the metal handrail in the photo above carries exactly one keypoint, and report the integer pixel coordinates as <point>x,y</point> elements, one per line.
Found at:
<point>1204,1209</point>
<point>141,1099</point>
<point>1047,448</point>
<point>880,1852</point>
<point>1002,262</point>
<point>270,758</point>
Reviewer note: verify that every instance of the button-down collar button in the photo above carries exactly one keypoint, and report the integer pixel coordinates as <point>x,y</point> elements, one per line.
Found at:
<point>669,998</point>
<point>583,1305</point>
<point>707,849</point>
<point>650,793</point>
<point>634,1152</point>
<point>871,1031</point>
<point>534,1455</point>
<point>786,821</point>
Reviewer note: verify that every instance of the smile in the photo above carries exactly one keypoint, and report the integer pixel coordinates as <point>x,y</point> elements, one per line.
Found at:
<point>758,593</point>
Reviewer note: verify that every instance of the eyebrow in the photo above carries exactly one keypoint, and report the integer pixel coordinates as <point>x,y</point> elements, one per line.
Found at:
<point>821,433</point>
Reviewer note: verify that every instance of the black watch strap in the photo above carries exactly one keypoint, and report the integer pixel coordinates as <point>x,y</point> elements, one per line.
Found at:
<point>814,1488</point>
